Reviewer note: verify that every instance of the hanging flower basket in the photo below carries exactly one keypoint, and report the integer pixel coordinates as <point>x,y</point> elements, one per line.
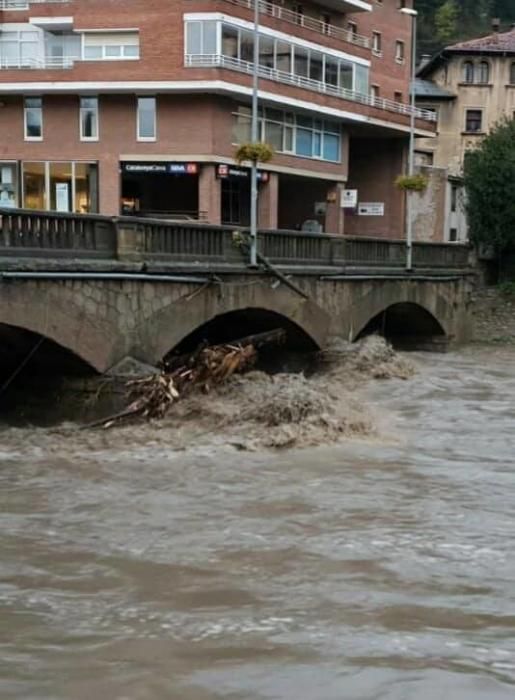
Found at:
<point>412,183</point>
<point>254,152</point>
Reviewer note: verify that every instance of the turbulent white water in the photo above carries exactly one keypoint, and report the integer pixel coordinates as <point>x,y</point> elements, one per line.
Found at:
<point>156,562</point>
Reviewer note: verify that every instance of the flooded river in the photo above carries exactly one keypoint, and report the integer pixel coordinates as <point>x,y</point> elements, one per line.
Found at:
<point>375,569</point>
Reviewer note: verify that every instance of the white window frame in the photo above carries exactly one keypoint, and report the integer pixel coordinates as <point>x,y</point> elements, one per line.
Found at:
<point>400,47</point>
<point>377,44</point>
<point>97,117</point>
<point>104,44</point>
<point>25,124</point>
<point>148,139</point>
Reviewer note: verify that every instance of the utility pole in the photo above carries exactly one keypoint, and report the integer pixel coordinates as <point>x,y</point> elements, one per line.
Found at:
<point>411,158</point>
<point>254,139</point>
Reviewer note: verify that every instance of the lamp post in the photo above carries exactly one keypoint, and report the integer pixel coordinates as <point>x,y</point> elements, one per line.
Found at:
<point>411,158</point>
<point>254,139</point>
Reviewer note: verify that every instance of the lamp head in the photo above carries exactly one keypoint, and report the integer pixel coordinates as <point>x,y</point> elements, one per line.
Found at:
<point>408,11</point>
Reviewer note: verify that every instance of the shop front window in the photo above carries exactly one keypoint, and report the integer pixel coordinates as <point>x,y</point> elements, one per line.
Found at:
<point>60,186</point>
<point>34,186</point>
<point>8,185</point>
<point>86,187</point>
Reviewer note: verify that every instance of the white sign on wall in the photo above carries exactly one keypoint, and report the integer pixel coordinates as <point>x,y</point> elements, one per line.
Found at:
<point>349,199</point>
<point>371,209</point>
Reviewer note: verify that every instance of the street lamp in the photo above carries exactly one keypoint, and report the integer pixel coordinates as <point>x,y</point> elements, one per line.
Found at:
<point>411,159</point>
<point>254,138</point>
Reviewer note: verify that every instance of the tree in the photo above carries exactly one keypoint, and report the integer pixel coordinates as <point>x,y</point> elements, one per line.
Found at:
<point>445,21</point>
<point>489,174</point>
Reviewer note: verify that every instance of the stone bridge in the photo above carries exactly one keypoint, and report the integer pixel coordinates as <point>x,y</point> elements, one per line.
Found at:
<point>88,291</point>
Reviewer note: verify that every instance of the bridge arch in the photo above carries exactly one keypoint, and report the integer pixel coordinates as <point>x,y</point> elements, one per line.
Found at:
<point>402,308</point>
<point>402,323</point>
<point>247,311</point>
<point>50,310</point>
<point>27,353</point>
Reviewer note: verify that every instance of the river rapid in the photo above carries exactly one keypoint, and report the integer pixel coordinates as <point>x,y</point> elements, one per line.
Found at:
<point>379,567</point>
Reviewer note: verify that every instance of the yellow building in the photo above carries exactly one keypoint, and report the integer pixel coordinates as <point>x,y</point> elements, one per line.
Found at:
<point>471,87</point>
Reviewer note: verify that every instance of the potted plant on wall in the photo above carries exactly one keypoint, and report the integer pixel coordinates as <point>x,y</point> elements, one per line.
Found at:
<point>412,183</point>
<point>254,152</point>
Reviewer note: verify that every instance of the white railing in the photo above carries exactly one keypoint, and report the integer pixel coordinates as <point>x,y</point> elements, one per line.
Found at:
<point>62,62</point>
<point>25,4</point>
<point>219,61</point>
<point>300,20</point>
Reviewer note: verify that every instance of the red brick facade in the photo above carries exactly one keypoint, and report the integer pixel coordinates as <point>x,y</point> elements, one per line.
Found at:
<point>195,110</point>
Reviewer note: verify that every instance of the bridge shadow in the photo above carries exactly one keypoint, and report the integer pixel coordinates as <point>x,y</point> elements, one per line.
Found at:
<point>34,372</point>
<point>407,326</point>
<point>296,353</point>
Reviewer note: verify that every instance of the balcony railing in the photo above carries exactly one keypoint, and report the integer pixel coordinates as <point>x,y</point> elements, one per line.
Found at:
<point>300,20</point>
<point>236,64</point>
<point>25,4</point>
<point>48,63</point>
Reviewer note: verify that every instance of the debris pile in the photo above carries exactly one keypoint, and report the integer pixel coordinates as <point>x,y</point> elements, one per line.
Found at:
<point>152,396</point>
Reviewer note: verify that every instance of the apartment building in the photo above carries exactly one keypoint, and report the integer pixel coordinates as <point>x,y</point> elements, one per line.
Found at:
<point>470,87</point>
<point>137,107</point>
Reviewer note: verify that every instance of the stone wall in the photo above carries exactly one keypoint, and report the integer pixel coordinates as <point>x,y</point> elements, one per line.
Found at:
<point>493,316</point>
<point>429,207</point>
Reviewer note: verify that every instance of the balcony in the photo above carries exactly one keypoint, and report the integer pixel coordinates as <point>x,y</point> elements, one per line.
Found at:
<point>236,64</point>
<point>48,63</point>
<point>25,4</point>
<point>270,9</point>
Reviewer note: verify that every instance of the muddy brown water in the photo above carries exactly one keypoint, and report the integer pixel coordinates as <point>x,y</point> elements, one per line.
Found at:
<point>372,569</point>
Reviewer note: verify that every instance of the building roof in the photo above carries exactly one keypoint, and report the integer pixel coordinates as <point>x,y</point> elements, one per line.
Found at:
<point>503,42</point>
<point>497,43</point>
<point>426,89</point>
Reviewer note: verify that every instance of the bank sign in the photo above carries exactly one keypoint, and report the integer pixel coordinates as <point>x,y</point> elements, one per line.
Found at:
<point>224,171</point>
<point>160,168</point>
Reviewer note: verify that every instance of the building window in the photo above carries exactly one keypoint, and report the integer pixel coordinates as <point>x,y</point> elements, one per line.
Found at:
<point>454,198</point>
<point>8,185</point>
<point>377,43</point>
<point>352,28</point>
<point>326,23</point>
<point>291,133</point>
<point>512,73</point>
<point>65,186</point>
<point>89,118</point>
<point>374,91</point>
<point>468,72</point>
<point>399,51</point>
<point>278,58</point>
<point>146,120</point>
<point>111,47</point>
<point>453,235</point>
<point>473,121</point>
<point>33,112</point>
<point>298,11</point>
<point>397,96</point>
<point>484,72</point>
<point>20,49</point>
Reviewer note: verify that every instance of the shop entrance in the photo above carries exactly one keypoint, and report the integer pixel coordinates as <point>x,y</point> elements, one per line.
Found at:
<point>236,201</point>
<point>160,190</point>
<point>302,203</point>
<point>235,193</point>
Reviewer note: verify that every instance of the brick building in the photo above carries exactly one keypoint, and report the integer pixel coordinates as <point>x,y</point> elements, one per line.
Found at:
<point>136,106</point>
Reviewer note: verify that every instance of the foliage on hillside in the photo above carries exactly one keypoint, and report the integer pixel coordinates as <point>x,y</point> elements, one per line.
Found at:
<point>489,174</point>
<point>444,22</point>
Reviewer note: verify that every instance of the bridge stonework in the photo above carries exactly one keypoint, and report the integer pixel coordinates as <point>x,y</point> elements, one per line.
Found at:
<point>105,320</point>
